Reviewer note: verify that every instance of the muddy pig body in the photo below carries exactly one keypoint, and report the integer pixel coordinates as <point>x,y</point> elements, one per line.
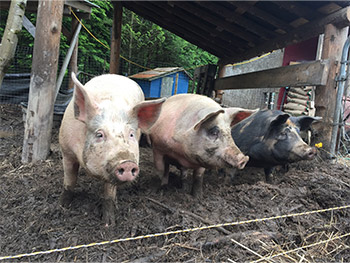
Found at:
<point>100,132</point>
<point>193,132</point>
<point>271,137</point>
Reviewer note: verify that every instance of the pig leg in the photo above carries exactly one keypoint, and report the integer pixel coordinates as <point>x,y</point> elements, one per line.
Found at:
<point>70,168</point>
<point>109,204</point>
<point>162,166</point>
<point>186,180</point>
<point>268,174</point>
<point>197,187</point>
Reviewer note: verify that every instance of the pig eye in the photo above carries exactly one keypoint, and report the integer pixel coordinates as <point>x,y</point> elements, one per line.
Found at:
<point>99,135</point>
<point>282,136</point>
<point>132,134</point>
<point>214,132</point>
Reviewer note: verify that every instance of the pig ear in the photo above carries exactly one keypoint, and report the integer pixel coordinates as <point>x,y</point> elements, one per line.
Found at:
<point>304,122</point>
<point>208,117</point>
<point>239,114</point>
<point>83,107</point>
<point>147,113</point>
<point>279,120</point>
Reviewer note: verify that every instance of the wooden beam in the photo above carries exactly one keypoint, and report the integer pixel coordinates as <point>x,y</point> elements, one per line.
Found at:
<point>39,117</point>
<point>239,20</point>
<point>340,19</point>
<point>265,16</point>
<point>186,22</point>
<point>208,17</point>
<point>185,33</point>
<point>325,96</point>
<point>297,9</point>
<point>310,73</point>
<point>116,38</point>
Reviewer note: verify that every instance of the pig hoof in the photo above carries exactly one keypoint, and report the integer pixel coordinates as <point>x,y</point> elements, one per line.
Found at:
<point>163,188</point>
<point>66,198</point>
<point>108,213</point>
<point>186,186</point>
<point>269,179</point>
<point>198,194</point>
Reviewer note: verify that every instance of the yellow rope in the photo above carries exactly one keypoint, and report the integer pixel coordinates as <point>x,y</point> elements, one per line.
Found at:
<point>174,232</point>
<point>76,17</point>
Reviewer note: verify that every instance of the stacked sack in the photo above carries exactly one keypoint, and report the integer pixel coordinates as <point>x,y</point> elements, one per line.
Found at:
<point>300,101</point>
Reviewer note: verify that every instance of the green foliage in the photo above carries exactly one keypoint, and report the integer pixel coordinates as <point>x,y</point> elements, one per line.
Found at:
<point>143,42</point>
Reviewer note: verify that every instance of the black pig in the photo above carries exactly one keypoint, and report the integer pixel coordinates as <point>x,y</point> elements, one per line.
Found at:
<point>271,137</point>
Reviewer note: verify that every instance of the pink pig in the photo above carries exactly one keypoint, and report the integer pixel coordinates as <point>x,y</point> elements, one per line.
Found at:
<point>194,132</point>
<point>100,132</point>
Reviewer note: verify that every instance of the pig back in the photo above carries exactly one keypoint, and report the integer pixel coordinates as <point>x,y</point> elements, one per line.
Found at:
<point>181,112</point>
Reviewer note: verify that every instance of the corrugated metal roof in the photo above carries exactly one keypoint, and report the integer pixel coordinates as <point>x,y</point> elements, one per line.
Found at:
<point>157,73</point>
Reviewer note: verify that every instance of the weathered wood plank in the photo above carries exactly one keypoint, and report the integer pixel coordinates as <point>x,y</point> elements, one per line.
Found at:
<point>310,73</point>
<point>39,118</point>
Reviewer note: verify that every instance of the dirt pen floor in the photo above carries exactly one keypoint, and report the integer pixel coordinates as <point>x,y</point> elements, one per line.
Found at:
<point>32,220</point>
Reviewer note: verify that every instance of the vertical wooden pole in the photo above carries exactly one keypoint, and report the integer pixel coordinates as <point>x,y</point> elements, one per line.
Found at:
<point>73,65</point>
<point>9,40</point>
<point>38,124</point>
<point>116,38</point>
<point>221,74</point>
<point>325,96</point>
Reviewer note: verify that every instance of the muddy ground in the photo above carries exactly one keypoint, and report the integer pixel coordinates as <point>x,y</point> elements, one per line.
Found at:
<point>31,218</point>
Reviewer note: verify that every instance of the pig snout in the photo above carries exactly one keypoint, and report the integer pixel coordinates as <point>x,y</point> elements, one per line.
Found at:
<point>234,159</point>
<point>127,171</point>
<point>310,153</point>
<point>242,160</point>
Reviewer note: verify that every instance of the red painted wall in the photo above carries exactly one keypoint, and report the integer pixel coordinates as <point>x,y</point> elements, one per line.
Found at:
<point>303,51</point>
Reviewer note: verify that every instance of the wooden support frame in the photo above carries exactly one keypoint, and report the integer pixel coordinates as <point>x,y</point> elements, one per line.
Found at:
<point>310,73</point>
<point>334,39</point>
<point>39,117</point>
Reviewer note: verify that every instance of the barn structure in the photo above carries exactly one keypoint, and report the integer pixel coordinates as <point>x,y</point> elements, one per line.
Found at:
<point>235,31</point>
<point>162,82</point>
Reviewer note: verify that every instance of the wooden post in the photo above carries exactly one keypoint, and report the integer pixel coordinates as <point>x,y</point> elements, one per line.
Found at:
<point>116,38</point>
<point>221,74</point>
<point>73,65</point>
<point>9,41</point>
<point>38,124</point>
<point>325,96</point>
